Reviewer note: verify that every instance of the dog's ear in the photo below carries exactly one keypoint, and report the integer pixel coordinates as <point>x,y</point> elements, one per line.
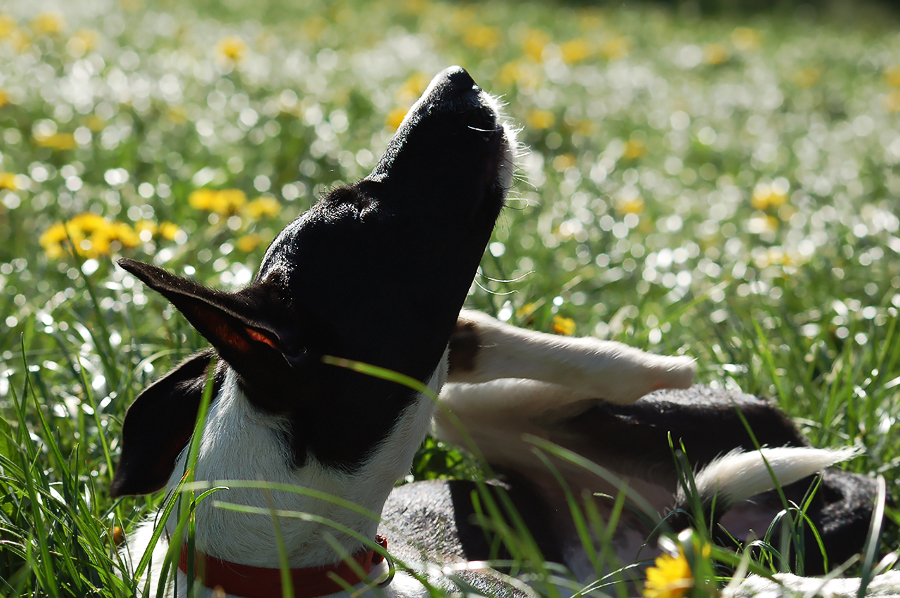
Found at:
<point>158,426</point>
<point>227,320</point>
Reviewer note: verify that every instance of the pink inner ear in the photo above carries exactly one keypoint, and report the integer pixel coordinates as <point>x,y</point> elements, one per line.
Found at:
<point>221,330</point>
<point>260,337</point>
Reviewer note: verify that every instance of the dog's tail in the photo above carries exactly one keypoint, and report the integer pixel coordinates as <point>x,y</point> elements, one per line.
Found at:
<point>738,476</point>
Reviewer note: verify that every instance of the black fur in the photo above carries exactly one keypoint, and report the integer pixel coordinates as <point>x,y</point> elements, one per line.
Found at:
<point>374,272</point>
<point>377,272</point>
<point>159,424</point>
<point>702,419</point>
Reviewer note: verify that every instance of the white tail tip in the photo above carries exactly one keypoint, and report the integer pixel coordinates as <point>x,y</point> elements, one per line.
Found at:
<point>738,476</point>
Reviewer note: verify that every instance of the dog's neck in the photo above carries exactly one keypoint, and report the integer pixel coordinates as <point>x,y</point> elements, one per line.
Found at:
<point>241,443</point>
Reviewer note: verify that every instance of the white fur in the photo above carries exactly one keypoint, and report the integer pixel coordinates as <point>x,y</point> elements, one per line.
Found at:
<point>509,145</point>
<point>587,367</point>
<point>241,443</point>
<point>521,381</point>
<point>785,585</point>
<point>738,476</point>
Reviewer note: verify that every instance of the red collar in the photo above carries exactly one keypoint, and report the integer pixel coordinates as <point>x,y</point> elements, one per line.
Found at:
<point>264,582</point>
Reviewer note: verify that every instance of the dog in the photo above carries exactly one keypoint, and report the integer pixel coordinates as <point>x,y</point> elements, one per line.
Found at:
<point>321,379</point>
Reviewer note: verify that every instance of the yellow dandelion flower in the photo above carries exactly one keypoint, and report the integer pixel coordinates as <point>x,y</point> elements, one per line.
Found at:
<point>509,73</point>
<point>228,201</point>
<point>265,206</point>
<point>64,141</point>
<point>20,40</point>
<point>891,75</point>
<point>231,49</point>
<point>518,72</point>
<point>534,43</point>
<point>89,234</point>
<point>88,222</point>
<point>56,141</point>
<point>82,42</point>
<point>247,243</point>
<point>118,535</point>
<point>54,252</point>
<point>7,26</point>
<point>891,102</point>
<point>100,243</point>
<point>715,54</point>
<point>807,77</point>
<point>584,126</point>
<point>634,149</point>
<point>201,199</point>
<point>94,123</point>
<point>632,205</point>
<point>168,230</point>
<point>526,311</point>
<point>563,162</point>
<point>746,38</point>
<point>576,50</point>
<point>541,119</point>
<point>482,37</point>
<point>145,229</point>
<point>563,325</point>
<point>8,181</point>
<point>74,234</point>
<point>4,98</point>
<point>766,196</point>
<point>395,118</point>
<point>670,577</point>
<point>48,23</point>
<point>124,234</point>
<point>54,235</point>
<point>616,48</point>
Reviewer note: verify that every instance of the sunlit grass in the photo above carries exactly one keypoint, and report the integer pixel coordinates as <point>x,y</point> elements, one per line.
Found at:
<point>717,188</point>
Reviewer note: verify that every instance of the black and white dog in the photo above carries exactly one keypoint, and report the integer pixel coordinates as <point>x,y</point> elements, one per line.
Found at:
<point>376,273</point>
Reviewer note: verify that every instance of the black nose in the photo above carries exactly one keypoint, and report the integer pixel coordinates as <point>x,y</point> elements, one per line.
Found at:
<point>451,84</point>
<point>458,80</point>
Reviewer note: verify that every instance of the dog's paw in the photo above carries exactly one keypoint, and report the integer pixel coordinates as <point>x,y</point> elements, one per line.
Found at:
<point>629,374</point>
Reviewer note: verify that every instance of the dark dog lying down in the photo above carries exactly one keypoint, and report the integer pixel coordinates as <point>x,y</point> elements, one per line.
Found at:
<point>377,273</point>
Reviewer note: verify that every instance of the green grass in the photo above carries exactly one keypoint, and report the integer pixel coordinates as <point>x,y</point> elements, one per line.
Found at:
<point>716,188</point>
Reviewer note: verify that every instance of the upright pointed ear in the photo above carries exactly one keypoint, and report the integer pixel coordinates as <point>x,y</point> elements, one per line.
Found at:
<point>159,424</point>
<point>228,320</point>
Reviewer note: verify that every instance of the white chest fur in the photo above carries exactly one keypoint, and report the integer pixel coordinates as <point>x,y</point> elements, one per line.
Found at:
<point>241,443</point>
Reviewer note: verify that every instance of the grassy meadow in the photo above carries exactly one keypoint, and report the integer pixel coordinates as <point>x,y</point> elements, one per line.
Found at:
<point>722,188</point>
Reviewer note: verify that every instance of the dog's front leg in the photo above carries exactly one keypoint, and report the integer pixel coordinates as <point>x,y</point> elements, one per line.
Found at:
<point>484,349</point>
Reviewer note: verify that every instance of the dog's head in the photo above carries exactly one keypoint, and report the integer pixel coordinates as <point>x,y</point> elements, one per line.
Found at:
<point>374,272</point>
